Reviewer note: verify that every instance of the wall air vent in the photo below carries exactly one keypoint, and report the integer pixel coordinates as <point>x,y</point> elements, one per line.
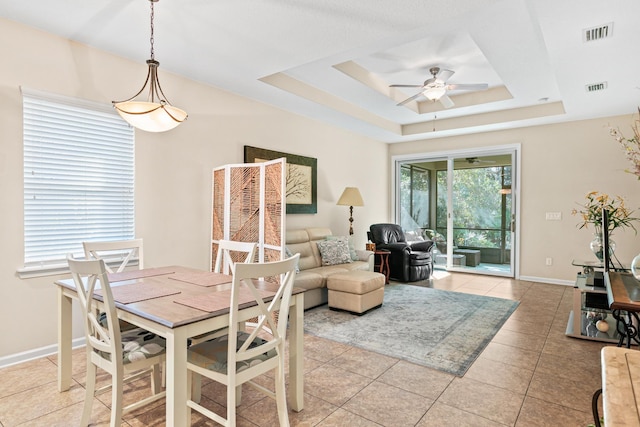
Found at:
<point>597,33</point>
<point>596,87</point>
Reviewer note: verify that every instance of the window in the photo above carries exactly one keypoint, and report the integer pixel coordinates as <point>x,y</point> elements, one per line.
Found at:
<point>78,178</point>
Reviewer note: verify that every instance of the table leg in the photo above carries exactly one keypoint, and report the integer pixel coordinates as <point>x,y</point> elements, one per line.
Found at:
<point>64,341</point>
<point>176,401</point>
<point>627,326</point>
<point>296,354</point>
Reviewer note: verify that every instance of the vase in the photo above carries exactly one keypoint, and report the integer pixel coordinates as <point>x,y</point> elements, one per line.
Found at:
<point>635,267</point>
<point>596,246</point>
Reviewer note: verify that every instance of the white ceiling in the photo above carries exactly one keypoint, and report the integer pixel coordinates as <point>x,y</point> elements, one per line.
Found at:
<point>333,60</point>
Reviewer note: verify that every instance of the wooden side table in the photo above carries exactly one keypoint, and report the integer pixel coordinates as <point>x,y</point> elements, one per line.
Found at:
<point>382,263</point>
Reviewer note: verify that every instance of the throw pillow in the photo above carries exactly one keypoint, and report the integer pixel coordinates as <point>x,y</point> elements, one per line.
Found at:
<point>289,254</point>
<point>334,252</point>
<point>349,240</point>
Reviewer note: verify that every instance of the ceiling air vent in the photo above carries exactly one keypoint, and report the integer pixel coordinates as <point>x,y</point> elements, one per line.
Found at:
<point>596,87</point>
<point>598,33</point>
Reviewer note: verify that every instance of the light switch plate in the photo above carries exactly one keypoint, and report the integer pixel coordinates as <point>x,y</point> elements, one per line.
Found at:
<point>553,216</point>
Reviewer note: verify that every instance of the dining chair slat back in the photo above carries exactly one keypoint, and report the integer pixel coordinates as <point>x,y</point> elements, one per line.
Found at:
<point>126,252</point>
<point>230,252</point>
<point>116,352</point>
<point>240,356</point>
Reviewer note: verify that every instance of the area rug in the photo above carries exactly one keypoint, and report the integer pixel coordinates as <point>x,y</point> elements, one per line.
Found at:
<point>439,329</point>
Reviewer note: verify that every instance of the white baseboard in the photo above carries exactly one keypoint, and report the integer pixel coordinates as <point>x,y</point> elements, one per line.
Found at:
<point>14,359</point>
<point>548,280</point>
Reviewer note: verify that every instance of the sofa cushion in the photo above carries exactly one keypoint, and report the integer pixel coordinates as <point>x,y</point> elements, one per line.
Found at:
<point>308,279</point>
<point>334,252</point>
<point>352,248</point>
<point>298,243</point>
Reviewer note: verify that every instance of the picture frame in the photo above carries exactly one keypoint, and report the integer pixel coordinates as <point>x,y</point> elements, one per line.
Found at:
<point>301,181</point>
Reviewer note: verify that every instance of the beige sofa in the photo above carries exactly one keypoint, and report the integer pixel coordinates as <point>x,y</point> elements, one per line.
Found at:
<point>313,275</point>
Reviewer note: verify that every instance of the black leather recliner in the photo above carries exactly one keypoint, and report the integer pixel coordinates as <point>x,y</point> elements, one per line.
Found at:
<point>408,262</point>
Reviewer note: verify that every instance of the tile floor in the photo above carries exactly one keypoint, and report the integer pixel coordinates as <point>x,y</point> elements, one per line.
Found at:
<point>531,374</point>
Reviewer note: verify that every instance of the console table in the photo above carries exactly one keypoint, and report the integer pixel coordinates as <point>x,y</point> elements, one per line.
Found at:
<point>590,300</point>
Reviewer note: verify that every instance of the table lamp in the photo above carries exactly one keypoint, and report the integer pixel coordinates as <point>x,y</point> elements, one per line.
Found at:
<point>350,197</point>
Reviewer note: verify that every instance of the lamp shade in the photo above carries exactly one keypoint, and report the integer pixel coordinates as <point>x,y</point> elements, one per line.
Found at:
<point>150,116</point>
<point>350,197</point>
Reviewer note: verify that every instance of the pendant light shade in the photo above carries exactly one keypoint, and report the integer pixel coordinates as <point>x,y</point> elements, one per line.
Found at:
<point>155,114</point>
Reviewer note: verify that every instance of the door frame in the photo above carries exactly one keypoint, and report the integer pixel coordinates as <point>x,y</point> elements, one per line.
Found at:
<point>449,155</point>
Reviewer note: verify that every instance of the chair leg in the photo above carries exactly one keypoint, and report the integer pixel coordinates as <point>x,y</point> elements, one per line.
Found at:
<point>90,387</point>
<point>196,387</point>
<point>231,404</point>
<point>116,398</point>
<point>156,380</point>
<point>281,395</point>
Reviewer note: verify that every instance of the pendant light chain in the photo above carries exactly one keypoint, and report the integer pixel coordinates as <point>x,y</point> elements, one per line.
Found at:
<point>151,38</point>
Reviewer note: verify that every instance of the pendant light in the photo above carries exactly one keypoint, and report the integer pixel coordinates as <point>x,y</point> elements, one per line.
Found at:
<point>155,114</point>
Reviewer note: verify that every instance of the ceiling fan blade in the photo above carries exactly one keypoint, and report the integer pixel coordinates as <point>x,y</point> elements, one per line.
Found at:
<point>444,75</point>
<point>446,101</point>
<point>477,86</point>
<point>405,85</point>
<point>409,99</point>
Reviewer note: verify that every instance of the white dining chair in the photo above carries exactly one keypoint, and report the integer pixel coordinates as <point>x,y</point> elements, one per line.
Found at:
<point>126,252</point>
<point>230,252</point>
<point>240,356</point>
<point>118,353</point>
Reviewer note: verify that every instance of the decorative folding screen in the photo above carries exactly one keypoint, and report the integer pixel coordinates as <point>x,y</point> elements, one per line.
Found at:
<point>248,206</point>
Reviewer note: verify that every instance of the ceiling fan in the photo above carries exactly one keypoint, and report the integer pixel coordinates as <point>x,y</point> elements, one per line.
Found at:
<point>436,87</point>
<point>475,160</point>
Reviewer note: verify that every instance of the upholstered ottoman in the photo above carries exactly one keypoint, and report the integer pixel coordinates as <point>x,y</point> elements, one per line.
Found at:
<point>356,291</point>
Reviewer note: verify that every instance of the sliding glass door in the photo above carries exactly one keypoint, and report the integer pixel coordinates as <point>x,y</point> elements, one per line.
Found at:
<point>465,203</point>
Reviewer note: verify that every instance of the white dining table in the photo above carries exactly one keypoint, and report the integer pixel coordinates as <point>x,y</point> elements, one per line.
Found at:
<point>167,308</point>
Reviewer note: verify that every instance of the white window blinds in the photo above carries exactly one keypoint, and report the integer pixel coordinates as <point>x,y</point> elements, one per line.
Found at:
<point>78,177</point>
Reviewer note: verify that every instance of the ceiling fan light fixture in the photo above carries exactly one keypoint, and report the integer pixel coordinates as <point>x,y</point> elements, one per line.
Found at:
<point>155,114</point>
<point>435,93</point>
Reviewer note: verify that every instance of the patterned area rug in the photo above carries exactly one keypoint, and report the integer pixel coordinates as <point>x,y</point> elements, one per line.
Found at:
<point>430,327</point>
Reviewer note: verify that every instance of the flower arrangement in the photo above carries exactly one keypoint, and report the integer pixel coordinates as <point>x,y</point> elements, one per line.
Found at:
<point>631,146</point>
<point>619,215</point>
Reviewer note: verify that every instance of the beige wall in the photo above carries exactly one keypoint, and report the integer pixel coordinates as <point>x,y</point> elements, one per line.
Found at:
<point>173,170</point>
<point>560,164</point>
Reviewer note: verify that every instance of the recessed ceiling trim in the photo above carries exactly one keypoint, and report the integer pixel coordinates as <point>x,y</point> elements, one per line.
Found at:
<point>311,93</point>
<point>494,117</point>
<point>373,81</point>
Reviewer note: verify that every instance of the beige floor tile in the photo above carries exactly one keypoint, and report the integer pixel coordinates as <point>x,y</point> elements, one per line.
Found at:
<point>333,384</point>
<point>417,379</point>
<point>322,349</point>
<point>500,375</point>
<point>24,376</point>
<point>363,362</point>
<point>441,415</point>
<point>388,406</point>
<point>264,413</point>
<point>574,394</point>
<point>495,403</point>
<point>519,340</point>
<point>570,368</point>
<point>71,415</point>
<point>514,356</point>
<point>342,418</point>
<point>37,401</point>
<point>539,413</point>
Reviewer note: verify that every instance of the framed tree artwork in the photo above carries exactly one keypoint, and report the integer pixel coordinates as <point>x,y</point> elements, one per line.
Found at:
<point>301,181</point>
